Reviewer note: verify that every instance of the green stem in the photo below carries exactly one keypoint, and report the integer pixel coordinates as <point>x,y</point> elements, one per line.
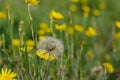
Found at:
<point>31,21</point>
<point>51,27</point>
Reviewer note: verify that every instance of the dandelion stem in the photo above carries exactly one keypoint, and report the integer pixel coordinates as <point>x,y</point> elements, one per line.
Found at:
<point>31,21</point>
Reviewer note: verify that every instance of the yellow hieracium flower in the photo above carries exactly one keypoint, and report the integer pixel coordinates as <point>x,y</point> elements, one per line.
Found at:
<point>16,42</point>
<point>3,15</point>
<point>74,1</point>
<point>29,43</point>
<point>107,57</point>
<point>117,24</point>
<point>32,2</point>
<point>90,32</point>
<point>90,54</point>
<point>6,74</point>
<point>41,37</point>
<point>73,8</point>
<point>109,67</point>
<point>117,35</point>
<point>79,28</point>
<point>60,27</point>
<point>27,49</point>
<point>96,12</point>
<point>86,9</point>
<point>55,15</point>
<point>45,55</point>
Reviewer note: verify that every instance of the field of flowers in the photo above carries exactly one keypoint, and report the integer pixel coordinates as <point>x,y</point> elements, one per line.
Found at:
<point>59,39</point>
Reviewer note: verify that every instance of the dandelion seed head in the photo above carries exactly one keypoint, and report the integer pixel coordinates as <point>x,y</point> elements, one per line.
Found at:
<point>52,45</point>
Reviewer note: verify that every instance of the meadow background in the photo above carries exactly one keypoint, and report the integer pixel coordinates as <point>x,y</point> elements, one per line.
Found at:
<point>90,32</point>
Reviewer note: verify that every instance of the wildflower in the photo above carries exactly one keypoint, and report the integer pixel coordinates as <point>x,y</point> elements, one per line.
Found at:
<point>45,55</point>
<point>60,27</point>
<point>86,9</point>
<point>107,57</point>
<point>16,42</point>
<point>117,24</point>
<point>53,46</point>
<point>6,74</point>
<point>85,14</point>
<point>117,35</point>
<point>90,32</point>
<point>2,15</point>
<point>79,28</point>
<point>73,8</point>
<point>27,49</point>
<point>55,15</point>
<point>70,30</point>
<point>29,43</point>
<point>41,37</point>
<point>48,30</point>
<point>41,32</point>
<point>43,25</point>
<point>96,12</point>
<point>32,2</point>
<point>109,67</point>
<point>74,1</point>
<point>90,54</point>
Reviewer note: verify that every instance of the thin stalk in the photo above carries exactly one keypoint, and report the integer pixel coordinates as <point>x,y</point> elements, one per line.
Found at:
<point>31,21</point>
<point>51,27</point>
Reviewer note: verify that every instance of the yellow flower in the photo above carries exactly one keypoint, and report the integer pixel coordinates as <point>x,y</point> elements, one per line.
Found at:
<point>79,28</point>
<point>60,27</point>
<point>7,75</point>
<point>90,32</point>
<point>41,37</point>
<point>86,9</point>
<point>29,43</point>
<point>45,55</point>
<point>107,57</point>
<point>74,1</point>
<point>85,14</point>
<point>73,8</point>
<point>70,30</point>
<point>90,54</point>
<point>96,12</point>
<point>55,15</point>
<point>41,32</point>
<point>27,48</point>
<point>3,15</point>
<point>109,67</point>
<point>32,2</point>
<point>16,42</point>
<point>43,25</point>
<point>117,24</point>
<point>48,30</point>
<point>117,35</point>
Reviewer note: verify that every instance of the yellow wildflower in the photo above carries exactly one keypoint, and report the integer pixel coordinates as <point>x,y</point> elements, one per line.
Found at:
<point>85,14</point>
<point>74,1</point>
<point>90,32</point>
<point>3,15</point>
<point>79,28</point>
<point>70,30</point>
<point>32,2</point>
<point>73,8</point>
<point>29,43</point>
<point>48,30</point>
<point>43,25</point>
<point>107,57</point>
<point>117,35</point>
<point>86,9</point>
<point>6,74</point>
<point>27,48</point>
<point>90,54</point>
<point>109,67</point>
<point>55,15</point>
<point>117,24</point>
<point>16,42</point>
<point>41,32</point>
<point>96,12</point>
<point>45,55</point>
<point>41,37</point>
<point>60,27</point>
